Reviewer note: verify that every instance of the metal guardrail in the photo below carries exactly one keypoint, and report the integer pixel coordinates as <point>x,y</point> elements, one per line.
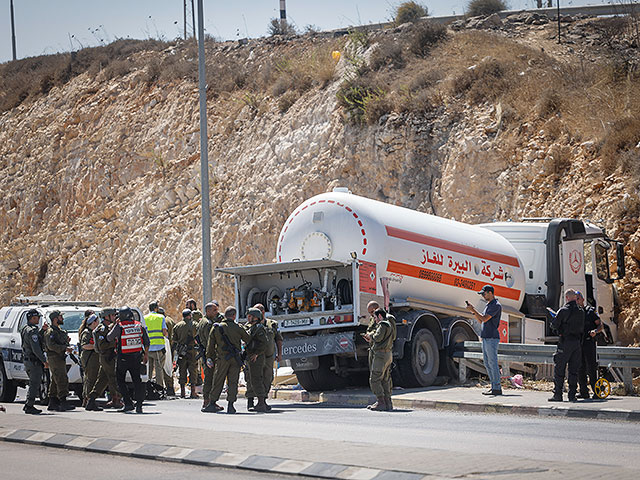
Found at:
<point>624,358</point>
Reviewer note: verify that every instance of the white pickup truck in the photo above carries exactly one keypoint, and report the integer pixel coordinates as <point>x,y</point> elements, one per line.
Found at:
<point>13,318</point>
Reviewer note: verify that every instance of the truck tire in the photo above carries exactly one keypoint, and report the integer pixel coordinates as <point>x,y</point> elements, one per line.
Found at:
<point>8,388</point>
<point>322,378</point>
<point>421,361</point>
<point>448,366</point>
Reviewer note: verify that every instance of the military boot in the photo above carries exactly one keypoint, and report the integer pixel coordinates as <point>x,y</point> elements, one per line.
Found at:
<point>230,408</point>
<point>194,394</point>
<point>127,408</point>
<point>54,405</point>
<point>261,406</point>
<point>205,402</point>
<point>92,406</point>
<point>31,410</point>
<point>389,403</point>
<point>213,407</point>
<point>379,406</point>
<point>65,405</point>
<point>138,407</point>
<point>250,405</point>
<point>182,392</point>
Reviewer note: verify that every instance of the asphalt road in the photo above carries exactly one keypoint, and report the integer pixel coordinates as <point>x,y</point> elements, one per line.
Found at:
<point>538,438</point>
<point>30,462</point>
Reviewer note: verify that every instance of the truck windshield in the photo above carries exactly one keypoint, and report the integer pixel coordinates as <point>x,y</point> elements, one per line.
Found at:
<point>602,262</point>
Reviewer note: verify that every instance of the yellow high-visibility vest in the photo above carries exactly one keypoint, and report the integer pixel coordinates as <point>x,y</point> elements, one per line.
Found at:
<point>153,322</point>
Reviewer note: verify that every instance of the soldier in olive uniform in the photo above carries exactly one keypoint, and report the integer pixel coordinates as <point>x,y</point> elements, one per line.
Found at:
<point>89,357</point>
<point>256,349</point>
<point>34,359</point>
<point>224,350</point>
<point>373,325</point>
<point>107,359</point>
<point>274,352</point>
<point>196,316</point>
<point>184,334</point>
<point>57,345</point>
<point>381,344</point>
<point>212,316</point>
<point>168,379</point>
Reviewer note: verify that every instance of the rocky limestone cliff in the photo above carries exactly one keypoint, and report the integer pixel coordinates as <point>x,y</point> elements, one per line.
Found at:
<point>100,182</point>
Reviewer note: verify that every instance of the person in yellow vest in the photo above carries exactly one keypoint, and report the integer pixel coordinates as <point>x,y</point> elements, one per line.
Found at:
<point>156,327</point>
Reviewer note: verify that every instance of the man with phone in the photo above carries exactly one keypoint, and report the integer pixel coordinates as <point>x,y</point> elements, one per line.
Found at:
<point>490,320</point>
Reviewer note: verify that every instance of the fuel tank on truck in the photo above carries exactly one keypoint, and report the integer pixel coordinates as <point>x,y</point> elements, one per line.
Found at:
<point>418,255</point>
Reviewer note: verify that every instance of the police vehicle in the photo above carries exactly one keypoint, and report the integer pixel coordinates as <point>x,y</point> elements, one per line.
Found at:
<point>14,317</point>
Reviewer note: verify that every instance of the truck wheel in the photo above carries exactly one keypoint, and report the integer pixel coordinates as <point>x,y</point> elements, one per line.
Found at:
<point>449,367</point>
<point>421,362</point>
<point>8,388</point>
<point>322,378</point>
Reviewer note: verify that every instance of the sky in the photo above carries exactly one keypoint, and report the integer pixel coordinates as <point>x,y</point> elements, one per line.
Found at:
<point>51,26</point>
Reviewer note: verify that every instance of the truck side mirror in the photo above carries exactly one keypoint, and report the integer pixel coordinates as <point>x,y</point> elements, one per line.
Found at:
<point>620,259</point>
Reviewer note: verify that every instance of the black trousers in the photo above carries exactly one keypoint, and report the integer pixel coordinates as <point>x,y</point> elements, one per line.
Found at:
<point>588,367</point>
<point>129,362</point>
<point>568,354</point>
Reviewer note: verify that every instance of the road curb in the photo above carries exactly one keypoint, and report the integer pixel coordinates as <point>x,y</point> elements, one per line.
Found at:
<point>207,458</point>
<point>361,400</point>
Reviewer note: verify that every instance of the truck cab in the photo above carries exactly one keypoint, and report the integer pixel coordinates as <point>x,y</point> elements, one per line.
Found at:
<point>558,254</point>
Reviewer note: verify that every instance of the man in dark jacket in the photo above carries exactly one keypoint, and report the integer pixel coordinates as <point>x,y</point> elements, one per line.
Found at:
<point>589,366</point>
<point>569,323</point>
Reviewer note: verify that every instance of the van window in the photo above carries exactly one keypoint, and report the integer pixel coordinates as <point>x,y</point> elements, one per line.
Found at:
<point>23,320</point>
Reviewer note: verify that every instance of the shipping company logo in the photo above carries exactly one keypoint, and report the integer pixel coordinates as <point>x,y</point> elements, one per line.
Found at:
<point>575,261</point>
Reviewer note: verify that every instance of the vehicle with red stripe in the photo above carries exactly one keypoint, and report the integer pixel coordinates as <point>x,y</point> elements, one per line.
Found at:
<point>338,251</point>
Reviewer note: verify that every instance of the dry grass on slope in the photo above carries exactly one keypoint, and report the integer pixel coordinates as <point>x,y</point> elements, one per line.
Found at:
<point>578,101</point>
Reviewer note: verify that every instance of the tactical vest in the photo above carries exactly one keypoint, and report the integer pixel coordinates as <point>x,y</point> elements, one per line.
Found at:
<point>153,322</point>
<point>575,322</point>
<point>131,337</point>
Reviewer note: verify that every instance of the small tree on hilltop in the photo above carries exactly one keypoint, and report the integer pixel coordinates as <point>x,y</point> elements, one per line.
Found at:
<point>281,27</point>
<point>476,8</point>
<point>409,12</point>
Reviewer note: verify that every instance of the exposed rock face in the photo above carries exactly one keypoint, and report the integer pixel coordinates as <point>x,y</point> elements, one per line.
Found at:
<point>101,188</point>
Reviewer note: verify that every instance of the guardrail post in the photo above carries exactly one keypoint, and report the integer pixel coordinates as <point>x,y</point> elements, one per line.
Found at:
<point>462,370</point>
<point>627,377</point>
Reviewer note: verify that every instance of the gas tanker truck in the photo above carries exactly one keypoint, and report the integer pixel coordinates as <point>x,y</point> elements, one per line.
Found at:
<point>338,251</point>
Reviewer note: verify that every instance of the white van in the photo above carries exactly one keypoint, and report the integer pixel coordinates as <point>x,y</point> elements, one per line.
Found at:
<point>14,317</point>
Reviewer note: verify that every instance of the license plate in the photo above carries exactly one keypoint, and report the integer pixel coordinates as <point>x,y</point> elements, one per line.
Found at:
<point>296,322</point>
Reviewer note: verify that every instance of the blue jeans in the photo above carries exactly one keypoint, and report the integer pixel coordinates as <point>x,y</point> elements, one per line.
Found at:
<point>490,357</point>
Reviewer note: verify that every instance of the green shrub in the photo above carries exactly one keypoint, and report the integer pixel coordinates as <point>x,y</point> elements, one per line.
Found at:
<point>485,7</point>
<point>363,100</point>
<point>409,12</point>
<point>280,27</point>
<point>425,37</point>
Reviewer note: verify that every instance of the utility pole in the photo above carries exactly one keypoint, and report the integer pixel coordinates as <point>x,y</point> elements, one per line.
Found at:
<point>558,5</point>
<point>193,19</point>
<point>283,15</point>
<point>184,31</point>
<point>204,164</point>
<point>13,32</point>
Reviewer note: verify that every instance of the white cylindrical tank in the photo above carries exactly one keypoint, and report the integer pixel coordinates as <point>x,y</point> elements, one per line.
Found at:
<point>422,256</point>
